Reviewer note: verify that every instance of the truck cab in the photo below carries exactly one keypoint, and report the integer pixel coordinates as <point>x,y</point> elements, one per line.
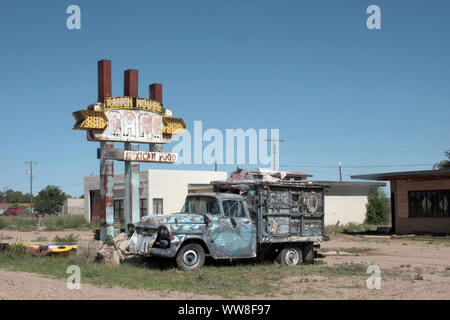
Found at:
<point>214,224</point>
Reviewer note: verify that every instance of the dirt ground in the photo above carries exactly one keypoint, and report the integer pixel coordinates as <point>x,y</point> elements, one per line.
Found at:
<point>19,236</point>
<point>410,269</point>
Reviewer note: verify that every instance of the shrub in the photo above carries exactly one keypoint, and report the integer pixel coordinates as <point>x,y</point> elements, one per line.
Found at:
<point>378,207</point>
<point>358,228</point>
<point>65,222</point>
<point>94,224</point>
<point>66,239</point>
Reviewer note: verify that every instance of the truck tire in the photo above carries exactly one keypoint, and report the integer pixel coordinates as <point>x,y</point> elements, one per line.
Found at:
<point>190,257</point>
<point>290,256</point>
<point>308,253</point>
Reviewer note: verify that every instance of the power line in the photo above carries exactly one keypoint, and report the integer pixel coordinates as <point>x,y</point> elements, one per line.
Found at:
<point>363,166</point>
<point>393,126</point>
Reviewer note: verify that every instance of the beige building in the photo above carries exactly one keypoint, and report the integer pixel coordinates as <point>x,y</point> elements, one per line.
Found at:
<point>160,191</point>
<point>420,200</point>
<point>73,207</point>
<point>346,201</point>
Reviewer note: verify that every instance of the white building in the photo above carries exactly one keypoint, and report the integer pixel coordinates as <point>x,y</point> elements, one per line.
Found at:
<point>73,207</point>
<point>346,201</point>
<point>160,192</point>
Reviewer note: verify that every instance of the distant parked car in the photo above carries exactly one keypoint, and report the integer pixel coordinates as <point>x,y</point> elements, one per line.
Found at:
<point>13,212</point>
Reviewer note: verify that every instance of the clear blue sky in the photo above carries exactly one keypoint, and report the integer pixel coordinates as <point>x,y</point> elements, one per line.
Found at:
<point>336,90</point>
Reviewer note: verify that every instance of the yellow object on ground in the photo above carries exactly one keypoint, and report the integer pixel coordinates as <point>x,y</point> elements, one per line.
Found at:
<point>54,248</point>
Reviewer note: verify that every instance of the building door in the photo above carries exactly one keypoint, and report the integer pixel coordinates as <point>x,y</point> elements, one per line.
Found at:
<point>393,211</point>
<point>95,203</point>
<point>119,210</point>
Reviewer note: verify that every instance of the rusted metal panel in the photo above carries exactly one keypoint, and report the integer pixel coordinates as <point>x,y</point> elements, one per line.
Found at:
<point>130,83</point>
<point>155,90</point>
<point>106,193</point>
<point>104,79</point>
<point>141,156</point>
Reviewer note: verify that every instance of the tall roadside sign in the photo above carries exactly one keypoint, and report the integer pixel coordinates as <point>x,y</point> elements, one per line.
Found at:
<point>133,121</point>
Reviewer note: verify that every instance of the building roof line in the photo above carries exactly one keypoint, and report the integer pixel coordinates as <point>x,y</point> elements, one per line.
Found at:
<point>403,175</point>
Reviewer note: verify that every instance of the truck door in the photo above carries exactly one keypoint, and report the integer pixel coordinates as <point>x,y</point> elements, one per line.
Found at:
<point>237,233</point>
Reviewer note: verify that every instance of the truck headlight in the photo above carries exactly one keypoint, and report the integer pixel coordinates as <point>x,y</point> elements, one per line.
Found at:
<point>131,228</point>
<point>163,233</point>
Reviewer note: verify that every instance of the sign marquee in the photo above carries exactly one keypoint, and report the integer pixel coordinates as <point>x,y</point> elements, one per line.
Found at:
<point>129,125</point>
<point>132,103</point>
<point>129,119</point>
<point>138,156</point>
<point>132,120</point>
<point>142,156</point>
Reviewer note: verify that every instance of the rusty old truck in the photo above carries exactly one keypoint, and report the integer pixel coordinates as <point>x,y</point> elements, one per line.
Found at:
<point>252,214</point>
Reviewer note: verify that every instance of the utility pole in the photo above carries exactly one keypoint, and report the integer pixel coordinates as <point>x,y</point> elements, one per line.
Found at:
<point>274,151</point>
<point>31,182</point>
<point>4,193</point>
<point>340,171</point>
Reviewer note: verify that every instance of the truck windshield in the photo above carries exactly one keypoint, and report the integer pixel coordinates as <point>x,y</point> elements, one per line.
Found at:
<point>201,205</point>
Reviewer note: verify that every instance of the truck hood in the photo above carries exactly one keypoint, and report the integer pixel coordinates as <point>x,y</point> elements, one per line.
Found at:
<point>174,218</point>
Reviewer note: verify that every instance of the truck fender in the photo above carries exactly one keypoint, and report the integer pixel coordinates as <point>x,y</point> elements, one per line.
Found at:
<point>195,239</point>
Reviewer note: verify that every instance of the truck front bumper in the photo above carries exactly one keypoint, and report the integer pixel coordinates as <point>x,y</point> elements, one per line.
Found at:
<point>165,253</point>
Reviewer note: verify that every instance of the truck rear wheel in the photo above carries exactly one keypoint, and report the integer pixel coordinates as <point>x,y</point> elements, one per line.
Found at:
<point>290,256</point>
<point>190,257</point>
<point>308,253</point>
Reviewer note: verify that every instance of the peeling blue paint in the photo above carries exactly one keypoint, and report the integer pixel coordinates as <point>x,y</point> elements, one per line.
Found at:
<point>275,218</point>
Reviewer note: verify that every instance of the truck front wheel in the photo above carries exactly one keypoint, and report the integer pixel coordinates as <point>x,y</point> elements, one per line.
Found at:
<point>290,256</point>
<point>191,257</point>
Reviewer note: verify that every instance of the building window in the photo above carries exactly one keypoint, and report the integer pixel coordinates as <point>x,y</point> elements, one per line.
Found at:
<point>157,206</point>
<point>429,204</point>
<point>143,207</point>
<point>118,209</point>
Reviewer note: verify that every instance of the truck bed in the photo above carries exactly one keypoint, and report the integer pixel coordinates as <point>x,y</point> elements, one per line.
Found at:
<point>283,211</point>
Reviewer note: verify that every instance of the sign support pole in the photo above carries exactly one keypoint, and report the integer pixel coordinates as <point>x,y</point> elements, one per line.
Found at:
<point>132,178</point>
<point>106,166</point>
<point>132,181</point>
<point>106,193</point>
